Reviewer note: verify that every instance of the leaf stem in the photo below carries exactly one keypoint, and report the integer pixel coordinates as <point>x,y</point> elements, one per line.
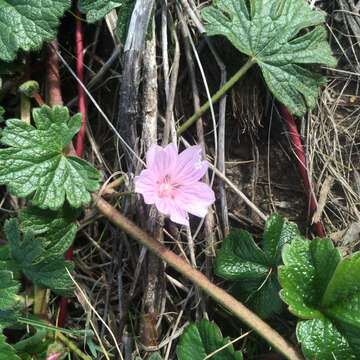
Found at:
<point>40,302</point>
<point>229,84</point>
<point>220,295</point>
<point>71,346</point>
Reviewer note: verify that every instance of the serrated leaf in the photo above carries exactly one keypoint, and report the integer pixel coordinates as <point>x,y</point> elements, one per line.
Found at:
<point>57,227</point>
<point>27,25</point>
<point>203,338</point>
<point>7,352</point>
<point>317,285</point>
<point>34,164</point>
<point>239,257</point>
<point>96,9</point>
<point>260,295</point>
<point>8,290</point>
<point>269,33</point>
<point>8,263</point>
<point>277,233</point>
<point>254,270</point>
<point>319,338</point>
<point>43,270</point>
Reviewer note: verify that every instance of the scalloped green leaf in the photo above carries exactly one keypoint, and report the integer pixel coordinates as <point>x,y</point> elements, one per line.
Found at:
<point>318,285</point>
<point>203,338</point>
<point>27,24</point>
<point>57,227</point>
<point>34,165</point>
<point>7,352</point>
<point>96,9</point>
<point>43,270</point>
<point>272,33</point>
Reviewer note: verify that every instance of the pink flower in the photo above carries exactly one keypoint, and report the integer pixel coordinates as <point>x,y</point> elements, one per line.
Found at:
<point>171,182</point>
<point>54,357</point>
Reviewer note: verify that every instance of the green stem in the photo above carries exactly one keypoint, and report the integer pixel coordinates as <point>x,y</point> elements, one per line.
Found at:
<point>217,95</point>
<point>40,302</point>
<point>220,295</point>
<point>72,346</point>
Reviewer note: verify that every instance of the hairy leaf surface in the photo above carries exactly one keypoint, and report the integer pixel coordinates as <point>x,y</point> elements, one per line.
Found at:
<point>318,285</point>
<point>272,33</point>
<point>27,24</point>
<point>34,165</point>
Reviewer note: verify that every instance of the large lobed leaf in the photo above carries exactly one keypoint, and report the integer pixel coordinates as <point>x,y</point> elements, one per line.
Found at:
<point>321,287</point>
<point>254,270</point>
<point>202,339</point>
<point>269,33</point>
<point>43,270</point>
<point>26,24</point>
<point>33,163</point>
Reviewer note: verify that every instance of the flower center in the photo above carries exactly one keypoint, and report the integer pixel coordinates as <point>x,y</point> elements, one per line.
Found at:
<point>166,188</point>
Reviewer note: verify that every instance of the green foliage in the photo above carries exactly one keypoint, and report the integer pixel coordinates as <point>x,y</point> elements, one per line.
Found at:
<point>45,271</point>
<point>27,25</point>
<point>324,289</point>
<point>2,111</point>
<point>7,352</point>
<point>203,338</point>
<point>269,33</point>
<point>57,227</point>
<point>254,270</point>
<point>124,17</point>
<point>8,290</point>
<point>154,356</point>
<point>34,164</point>
<point>96,9</point>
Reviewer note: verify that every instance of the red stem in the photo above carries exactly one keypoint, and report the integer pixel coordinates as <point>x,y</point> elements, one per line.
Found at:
<point>300,155</point>
<point>81,134</point>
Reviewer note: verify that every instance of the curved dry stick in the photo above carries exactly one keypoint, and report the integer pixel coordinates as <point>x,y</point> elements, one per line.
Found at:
<point>220,295</point>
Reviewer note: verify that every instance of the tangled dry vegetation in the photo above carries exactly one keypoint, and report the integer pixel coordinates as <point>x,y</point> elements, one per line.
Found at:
<point>128,296</point>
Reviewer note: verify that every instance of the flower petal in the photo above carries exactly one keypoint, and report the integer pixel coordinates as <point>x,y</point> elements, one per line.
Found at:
<point>161,160</point>
<point>168,206</point>
<point>145,184</point>
<point>195,198</point>
<point>189,167</point>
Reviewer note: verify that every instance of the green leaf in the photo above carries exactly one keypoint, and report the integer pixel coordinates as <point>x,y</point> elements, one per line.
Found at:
<point>260,295</point>
<point>254,270</point>
<point>96,9</point>
<point>203,338</point>
<point>2,111</point>
<point>8,290</point>
<point>27,25</point>
<point>34,164</point>
<point>43,270</point>
<point>124,17</point>
<point>7,352</point>
<point>318,285</point>
<point>239,257</point>
<point>270,34</point>
<point>57,227</point>
<point>8,318</point>
<point>277,233</point>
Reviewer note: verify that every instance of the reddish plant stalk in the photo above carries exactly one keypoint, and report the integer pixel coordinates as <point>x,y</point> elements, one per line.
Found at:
<point>81,133</point>
<point>300,155</point>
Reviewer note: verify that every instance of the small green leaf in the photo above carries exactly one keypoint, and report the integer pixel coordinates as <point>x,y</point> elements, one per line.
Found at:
<point>277,233</point>
<point>96,9</point>
<point>318,285</point>
<point>34,164</point>
<point>43,270</point>
<point>8,290</point>
<point>57,227</point>
<point>27,25</point>
<point>155,356</point>
<point>269,34</point>
<point>239,257</point>
<point>7,352</point>
<point>202,339</point>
